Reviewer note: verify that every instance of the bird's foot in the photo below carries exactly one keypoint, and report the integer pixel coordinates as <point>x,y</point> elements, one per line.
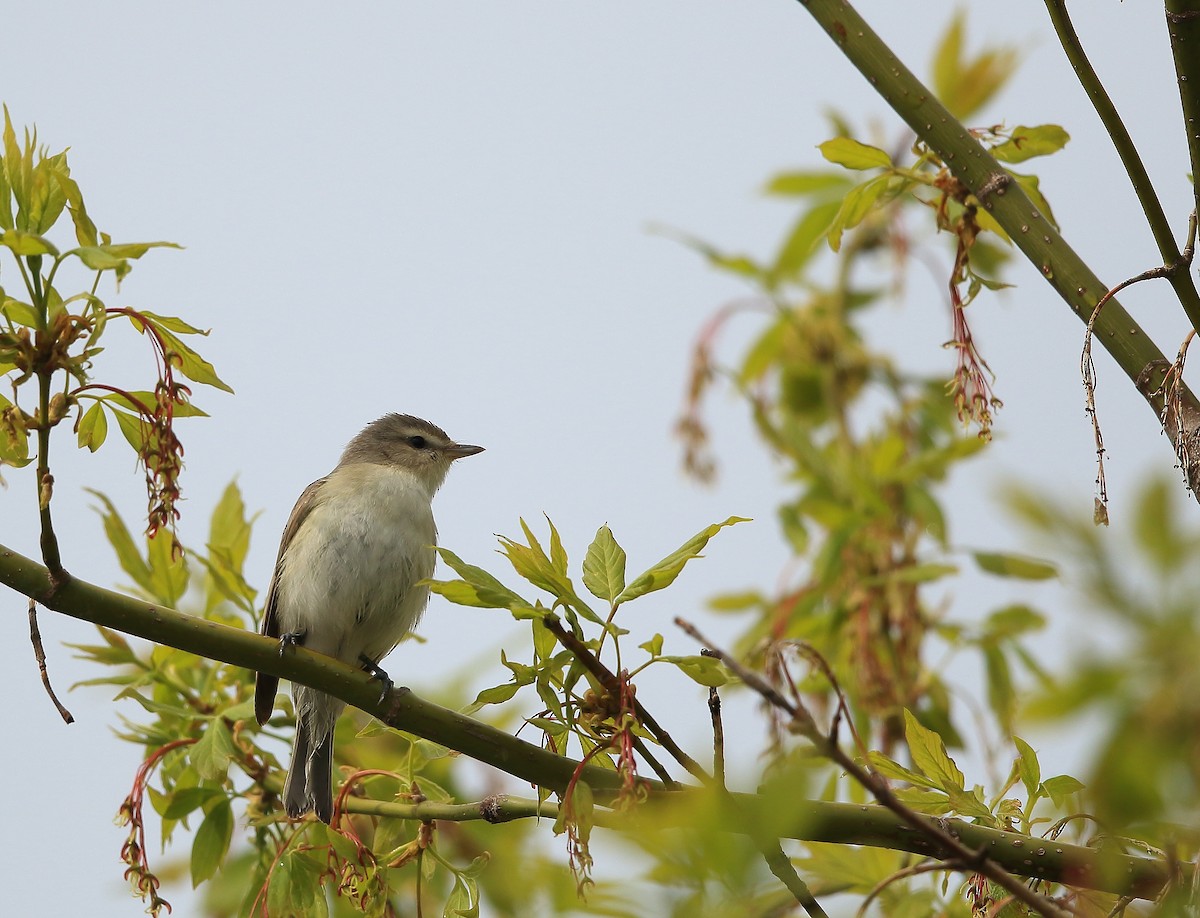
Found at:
<point>377,672</point>
<point>290,639</point>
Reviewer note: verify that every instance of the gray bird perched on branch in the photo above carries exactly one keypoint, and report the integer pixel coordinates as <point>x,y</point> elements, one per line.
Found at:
<point>347,579</point>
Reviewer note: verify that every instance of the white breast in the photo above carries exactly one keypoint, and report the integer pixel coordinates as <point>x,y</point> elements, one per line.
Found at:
<point>348,577</point>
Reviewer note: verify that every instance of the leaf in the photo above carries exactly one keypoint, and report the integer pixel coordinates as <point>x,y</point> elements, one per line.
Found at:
<point>705,670</point>
<point>20,313</point>
<point>964,86</point>
<point>128,555</point>
<point>604,566</point>
<point>132,398</point>
<point>191,364</point>
<point>137,249</point>
<point>85,229</point>
<point>929,755</point>
<point>211,843</point>
<point>1027,142</point>
<point>133,428</point>
<point>478,588</point>
<point>804,239</point>
<point>228,527</point>
<point>497,694</point>
<point>548,572</point>
<point>1019,566</point>
<point>211,754</point>
<point>24,244</point>
<point>92,428</point>
<point>807,183</point>
<point>1028,767</point>
<point>663,574</point>
<point>653,646</point>
<point>1032,187</point>
<point>1062,786</point>
<point>855,207</point>
<point>845,151</point>
<point>890,769</point>
<point>168,568</point>
<point>1011,621</point>
<point>1001,695</point>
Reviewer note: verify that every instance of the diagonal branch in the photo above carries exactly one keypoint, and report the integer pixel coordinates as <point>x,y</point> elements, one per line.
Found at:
<point>1003,198</point>
<point>805,820</point>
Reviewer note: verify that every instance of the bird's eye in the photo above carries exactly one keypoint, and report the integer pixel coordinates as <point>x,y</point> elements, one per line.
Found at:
<point>417,442</point>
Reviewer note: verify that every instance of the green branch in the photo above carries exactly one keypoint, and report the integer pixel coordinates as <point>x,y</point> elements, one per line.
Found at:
<point>782,815</point>
<point>1179,277</point>
<point>1183,26</point>
<point>1133,350</point>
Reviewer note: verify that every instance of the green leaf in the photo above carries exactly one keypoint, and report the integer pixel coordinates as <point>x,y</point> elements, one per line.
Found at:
<point>137,249</point>
<point>705,670</point>
<point>186,800</point>
<point>1019,566</point>
<point>20,313</point>
<point>845,151</point>
<point>228,527</point>
<point>92,427</point>
<point>929,755</point>
<point>1028,767</point>
<point>133,428</point>
<point>653,646</point>
<point>663,574</point>
<point>128,556</point>
<point>190,364</point>
<point>132,398</point>
<point>23,243</point>
<point>857,204</point>
<point>808,183</point>
<point>964,86</point>
<point>548,572</point>
<point>211,754</point>
<point>85,229</point>
<point>212,842</point>
<point>1027,142</point>
<point>890,769</point>
<point>97,259</point>
<point>497,694</point>
<point>1060,787</point>
<point>1032,187</point>
<point>1012,621</point>
<point>168,570</point>
<point>604,566</point>
<point>1001,695</point>
<point>804,239</point>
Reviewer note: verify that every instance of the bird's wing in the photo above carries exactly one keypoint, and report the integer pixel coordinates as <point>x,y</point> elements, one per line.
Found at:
<point>265,686</point>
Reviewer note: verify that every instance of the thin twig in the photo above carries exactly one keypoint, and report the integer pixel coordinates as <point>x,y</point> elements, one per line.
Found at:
<point>903,874</point>
<point>39,652</point>
<point>784,871</point>
<point>803,723</point>
<point>610,682</point>
<point>1088,369</point>
<point>714,709</point>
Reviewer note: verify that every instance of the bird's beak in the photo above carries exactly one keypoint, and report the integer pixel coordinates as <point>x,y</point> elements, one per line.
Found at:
<point>462,450</point>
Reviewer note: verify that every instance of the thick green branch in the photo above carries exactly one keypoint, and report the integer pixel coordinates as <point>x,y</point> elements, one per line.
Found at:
<point>780,815</point>
<point>1004,199</point>
<point>1183,25</point>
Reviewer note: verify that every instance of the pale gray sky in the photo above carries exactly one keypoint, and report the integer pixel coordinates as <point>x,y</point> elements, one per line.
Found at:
<point>442,209</point>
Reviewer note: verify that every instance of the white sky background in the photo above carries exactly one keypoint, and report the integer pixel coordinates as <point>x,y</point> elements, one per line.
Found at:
<point>442,209</point>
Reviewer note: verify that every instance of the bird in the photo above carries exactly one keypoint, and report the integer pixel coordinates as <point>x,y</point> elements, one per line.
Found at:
<point>349,579</point>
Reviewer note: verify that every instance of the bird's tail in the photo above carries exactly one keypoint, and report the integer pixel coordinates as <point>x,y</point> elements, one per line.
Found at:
<point>309,784</point>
